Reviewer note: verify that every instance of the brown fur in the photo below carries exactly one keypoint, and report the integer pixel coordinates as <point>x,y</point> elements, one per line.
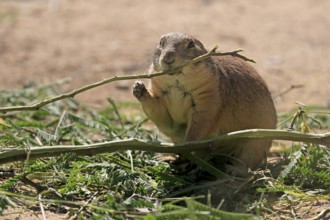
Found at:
<point>209,98</point>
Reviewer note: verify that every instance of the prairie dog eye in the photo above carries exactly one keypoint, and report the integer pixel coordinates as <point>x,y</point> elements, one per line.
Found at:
<point>191,44</point>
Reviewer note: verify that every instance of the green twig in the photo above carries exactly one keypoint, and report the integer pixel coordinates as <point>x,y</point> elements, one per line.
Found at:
<point>73,93</point>
<point>135,144</point>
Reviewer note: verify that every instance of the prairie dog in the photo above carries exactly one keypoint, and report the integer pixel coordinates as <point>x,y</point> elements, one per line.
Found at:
<point>212,97</point>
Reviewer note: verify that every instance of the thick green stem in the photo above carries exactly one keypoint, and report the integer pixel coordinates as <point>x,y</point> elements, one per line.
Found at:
<point>134,144</point>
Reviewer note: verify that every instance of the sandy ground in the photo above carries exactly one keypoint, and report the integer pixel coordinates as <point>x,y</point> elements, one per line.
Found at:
<point>43,41</point>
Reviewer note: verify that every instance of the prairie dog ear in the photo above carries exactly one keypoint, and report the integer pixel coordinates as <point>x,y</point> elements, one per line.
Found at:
<point>162,41</point>
<point>199,44</point>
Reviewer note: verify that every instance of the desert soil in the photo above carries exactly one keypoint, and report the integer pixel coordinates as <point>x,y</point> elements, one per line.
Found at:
<point>87,41</point>
<point>45,41</point>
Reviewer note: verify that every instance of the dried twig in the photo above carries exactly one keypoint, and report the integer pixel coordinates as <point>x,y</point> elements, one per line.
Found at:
<point>287,90</point>
<point>41,208</point>
<point>73,93</point>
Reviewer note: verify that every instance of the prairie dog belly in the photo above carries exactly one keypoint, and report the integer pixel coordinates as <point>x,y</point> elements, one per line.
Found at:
<point>179,100</point>
<point>182,92</point>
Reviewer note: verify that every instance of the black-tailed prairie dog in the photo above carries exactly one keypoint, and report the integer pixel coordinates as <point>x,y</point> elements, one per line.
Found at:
<point>212,97</point>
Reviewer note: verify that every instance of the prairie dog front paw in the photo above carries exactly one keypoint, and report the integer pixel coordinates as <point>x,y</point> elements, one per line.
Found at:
<point>139,90</point>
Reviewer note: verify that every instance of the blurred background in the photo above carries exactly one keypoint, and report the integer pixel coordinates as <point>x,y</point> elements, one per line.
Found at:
<point>44,41</point>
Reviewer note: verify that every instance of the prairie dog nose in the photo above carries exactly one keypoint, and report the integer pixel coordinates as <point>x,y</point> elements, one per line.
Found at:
<point>169,57</point>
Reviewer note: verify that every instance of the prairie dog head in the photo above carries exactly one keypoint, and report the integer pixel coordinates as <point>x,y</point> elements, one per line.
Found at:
<point>174,49</point>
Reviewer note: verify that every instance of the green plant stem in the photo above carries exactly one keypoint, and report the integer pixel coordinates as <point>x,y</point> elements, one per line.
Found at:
<point>73,93</point>
<point>135,144</point>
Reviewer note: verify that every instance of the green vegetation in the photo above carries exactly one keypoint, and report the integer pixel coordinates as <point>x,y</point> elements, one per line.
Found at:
<point>134,184</point>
